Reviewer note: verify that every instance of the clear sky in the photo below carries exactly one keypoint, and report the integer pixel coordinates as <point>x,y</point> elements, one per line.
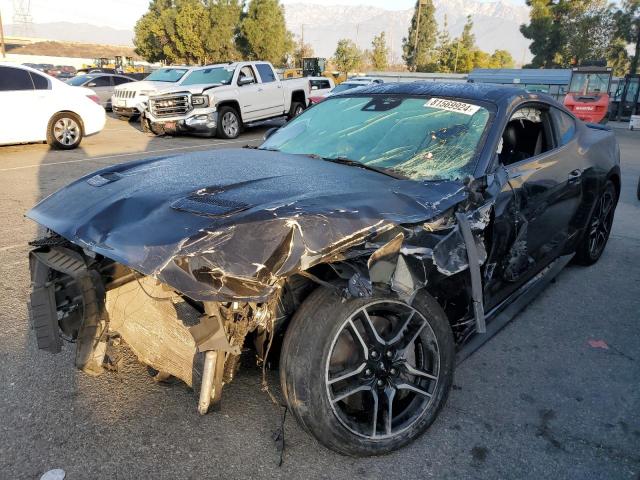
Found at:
<point>122,14</point>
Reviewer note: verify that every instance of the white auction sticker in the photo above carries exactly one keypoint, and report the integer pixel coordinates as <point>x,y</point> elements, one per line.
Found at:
<point>452,106</point>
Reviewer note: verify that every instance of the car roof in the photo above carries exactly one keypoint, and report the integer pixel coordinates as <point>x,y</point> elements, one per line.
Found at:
<point>472,91</point>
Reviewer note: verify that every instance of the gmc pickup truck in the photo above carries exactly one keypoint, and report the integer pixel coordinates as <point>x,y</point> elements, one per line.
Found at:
<point>219,99</point>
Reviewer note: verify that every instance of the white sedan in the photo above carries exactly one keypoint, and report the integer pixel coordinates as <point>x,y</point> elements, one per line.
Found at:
<point>35,107</point>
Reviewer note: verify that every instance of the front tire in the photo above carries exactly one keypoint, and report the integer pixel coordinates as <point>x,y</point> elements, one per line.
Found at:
<point>596,237</point>
<point>229,123</point>
<point>366,376</point>
<point>64,131</point>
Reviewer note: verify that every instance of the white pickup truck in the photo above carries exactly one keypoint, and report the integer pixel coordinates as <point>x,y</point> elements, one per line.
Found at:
<point>219,99</point>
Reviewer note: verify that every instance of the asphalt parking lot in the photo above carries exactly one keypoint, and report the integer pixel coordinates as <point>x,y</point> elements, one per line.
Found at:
<point>556,394</point>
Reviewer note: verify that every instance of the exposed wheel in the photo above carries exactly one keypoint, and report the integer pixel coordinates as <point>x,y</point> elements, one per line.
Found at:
<point>367,376</point>
<point>229,123</point>
<point>599,228</point>
<point>64,131</point>
<point>296,109</point>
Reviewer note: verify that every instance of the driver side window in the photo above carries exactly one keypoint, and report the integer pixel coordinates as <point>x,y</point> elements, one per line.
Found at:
<point>246,73</point>
<point>527,134</point>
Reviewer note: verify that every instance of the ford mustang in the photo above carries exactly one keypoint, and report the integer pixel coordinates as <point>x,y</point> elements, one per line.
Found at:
<point>374,241</point>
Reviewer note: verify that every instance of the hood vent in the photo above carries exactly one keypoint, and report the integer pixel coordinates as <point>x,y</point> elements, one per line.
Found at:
<point>103,178</point>
<point>209,204</point>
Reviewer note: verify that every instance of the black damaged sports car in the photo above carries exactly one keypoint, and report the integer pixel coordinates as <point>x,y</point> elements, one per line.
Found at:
<point>374,241</point>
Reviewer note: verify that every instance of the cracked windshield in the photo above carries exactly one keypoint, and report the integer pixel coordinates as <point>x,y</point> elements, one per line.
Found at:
<point>413,137</point>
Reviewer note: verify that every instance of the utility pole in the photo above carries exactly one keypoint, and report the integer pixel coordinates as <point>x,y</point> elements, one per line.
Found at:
<point>2,49</point>
<point>455,65</point>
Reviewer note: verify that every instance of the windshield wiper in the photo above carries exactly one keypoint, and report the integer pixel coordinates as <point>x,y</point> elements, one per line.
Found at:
<point>353,163</point>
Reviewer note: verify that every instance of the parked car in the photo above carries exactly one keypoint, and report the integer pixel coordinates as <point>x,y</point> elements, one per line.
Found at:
<point>379,232</point>
<point>103,84</point>
<point>220,99</point>
<point>37,107</point>
<point>343,87</point>
<point>65,72</point>
<point>130,99</point>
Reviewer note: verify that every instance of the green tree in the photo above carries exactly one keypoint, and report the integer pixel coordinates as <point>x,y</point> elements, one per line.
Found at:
<point>627,20</point>
<point>379,52</point>
<point>501,59</point>
<point>569,32</point>
<point>445,50</point>
<point>347,57</point>
<point>419,44</point>
<point>466,49</point>
<point>544,32</point>
<point>224,38</point>
<point>150,37</point>
<point>192,29</point>
<point>189,31</point>
<point>265,32</point>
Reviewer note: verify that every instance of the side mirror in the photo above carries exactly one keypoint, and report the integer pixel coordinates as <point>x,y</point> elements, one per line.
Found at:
<point>270,132</point>
<point>245,81</point>
<point>91,84</point>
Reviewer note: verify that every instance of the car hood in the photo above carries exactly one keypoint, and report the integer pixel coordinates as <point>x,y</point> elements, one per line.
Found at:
<point>226,224</point>
<point>193,89</point>
<point>144,85</point>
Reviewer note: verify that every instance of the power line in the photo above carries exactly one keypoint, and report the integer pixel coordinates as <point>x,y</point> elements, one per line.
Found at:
<point>22,20</point>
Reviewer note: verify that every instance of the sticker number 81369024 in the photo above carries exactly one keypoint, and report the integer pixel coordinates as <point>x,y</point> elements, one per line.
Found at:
<point>452,106</point>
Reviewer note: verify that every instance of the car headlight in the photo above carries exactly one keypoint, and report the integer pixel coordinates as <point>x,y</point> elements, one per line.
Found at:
<point>200,101</point>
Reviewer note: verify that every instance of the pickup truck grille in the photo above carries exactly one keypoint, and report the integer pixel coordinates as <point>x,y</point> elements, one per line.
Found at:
<point>124,93</point>
<point>169,106</point>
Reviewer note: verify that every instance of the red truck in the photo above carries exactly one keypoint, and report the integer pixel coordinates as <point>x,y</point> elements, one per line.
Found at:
<point>588,95</point>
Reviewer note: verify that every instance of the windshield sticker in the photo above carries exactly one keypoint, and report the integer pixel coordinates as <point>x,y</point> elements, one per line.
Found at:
<point>452,106</point>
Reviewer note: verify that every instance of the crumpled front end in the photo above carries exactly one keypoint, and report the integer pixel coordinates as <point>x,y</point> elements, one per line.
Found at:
<point>182,276</point>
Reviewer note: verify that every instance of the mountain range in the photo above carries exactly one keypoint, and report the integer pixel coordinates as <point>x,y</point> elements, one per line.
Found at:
<point>496,25</point>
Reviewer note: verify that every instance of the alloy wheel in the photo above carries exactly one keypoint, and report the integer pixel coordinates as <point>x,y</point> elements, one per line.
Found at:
<point>601,222</point>
<point>230,124</point>
<point>382,371</point>
<point>66,131</point>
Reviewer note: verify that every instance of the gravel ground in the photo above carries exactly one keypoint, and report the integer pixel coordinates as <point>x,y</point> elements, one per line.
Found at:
<point>537,401</point>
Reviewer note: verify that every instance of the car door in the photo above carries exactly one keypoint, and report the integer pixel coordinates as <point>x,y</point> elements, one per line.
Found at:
<point>20,115</point>
<point>271,91</point>
<point>536,210</point>
<point>250,94</point>
<point>103,86</point>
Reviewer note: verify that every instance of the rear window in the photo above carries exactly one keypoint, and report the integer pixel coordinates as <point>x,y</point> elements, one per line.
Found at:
<point>320,84</point>
<point>14,79</point>
<point>39,82</point>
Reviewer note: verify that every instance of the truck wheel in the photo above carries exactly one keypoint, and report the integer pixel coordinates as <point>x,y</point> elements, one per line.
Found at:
<point>64,131</point>
<point>229,123</point>
<point>296,109</point>
<point>367,375</point>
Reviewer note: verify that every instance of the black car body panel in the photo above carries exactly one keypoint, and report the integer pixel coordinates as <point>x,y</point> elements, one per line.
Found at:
<point>239,233</point>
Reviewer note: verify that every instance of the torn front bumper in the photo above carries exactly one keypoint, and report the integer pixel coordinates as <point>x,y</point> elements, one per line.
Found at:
<point>206,123</point>
<point>76,299</point>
